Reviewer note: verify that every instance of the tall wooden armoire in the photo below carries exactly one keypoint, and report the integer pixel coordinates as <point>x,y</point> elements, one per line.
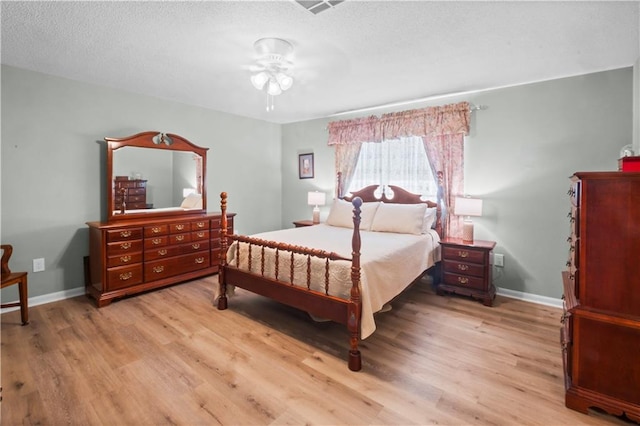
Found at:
<point>600,332</point>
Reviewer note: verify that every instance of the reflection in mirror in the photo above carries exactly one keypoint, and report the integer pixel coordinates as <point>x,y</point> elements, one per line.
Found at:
<point>154,173</point>
<point>170,176</point>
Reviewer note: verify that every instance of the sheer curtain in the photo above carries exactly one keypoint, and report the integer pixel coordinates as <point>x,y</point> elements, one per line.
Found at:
<point>401,162</point>
<point>442,130</point>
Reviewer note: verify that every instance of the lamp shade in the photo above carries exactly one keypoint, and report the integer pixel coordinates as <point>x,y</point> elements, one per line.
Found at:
<point>468,207</point>
<point>315,198</point>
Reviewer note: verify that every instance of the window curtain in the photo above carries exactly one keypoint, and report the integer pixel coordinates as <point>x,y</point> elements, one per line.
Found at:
<point>442,130</point>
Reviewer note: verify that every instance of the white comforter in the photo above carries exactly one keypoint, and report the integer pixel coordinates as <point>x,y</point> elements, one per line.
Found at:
<point>389,263</point>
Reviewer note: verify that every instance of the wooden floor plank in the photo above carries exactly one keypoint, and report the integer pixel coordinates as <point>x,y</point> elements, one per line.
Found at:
<point>170,357</point>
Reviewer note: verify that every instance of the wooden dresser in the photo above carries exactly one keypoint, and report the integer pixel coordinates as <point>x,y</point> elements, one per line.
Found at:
<point>600,333</point>
<point>132,191</point>
<point>466,269</point>
<point>132,256</point>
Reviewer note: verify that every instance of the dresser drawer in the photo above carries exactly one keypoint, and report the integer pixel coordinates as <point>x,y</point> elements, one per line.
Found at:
<point>179,238</point>
<point>125,234</point>
<point>124,247</point>
<point>124,276</point>
<point>463,268</point>
<point>464,254</point>
<point>194,261</point>
<point>138,191</point>
<point>176,228</point>
<point>124,259</point>
<point>217,224</point>
<point>154,242</point>
<point>194,246</point>
<point>159,269</point>
<point>200,235</point>
<point>161,253</point>
<point>151,231</point>
<point>200,224</point>
<point>463,281</point>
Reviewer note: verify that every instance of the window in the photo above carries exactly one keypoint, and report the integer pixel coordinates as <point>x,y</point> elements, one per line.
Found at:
<point>402,162</point>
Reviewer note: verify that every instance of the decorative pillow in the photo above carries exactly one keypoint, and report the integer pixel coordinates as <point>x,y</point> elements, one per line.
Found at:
<point>429,219</point>
<point>399,218</point>
<point>192,201</point>
<point>341,214</point>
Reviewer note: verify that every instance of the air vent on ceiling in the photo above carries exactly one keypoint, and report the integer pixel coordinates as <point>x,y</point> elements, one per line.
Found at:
<point>317,6</point>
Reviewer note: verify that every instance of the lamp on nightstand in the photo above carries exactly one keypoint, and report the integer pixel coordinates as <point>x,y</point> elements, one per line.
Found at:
<point>316,199</point>
<point>467,207</point>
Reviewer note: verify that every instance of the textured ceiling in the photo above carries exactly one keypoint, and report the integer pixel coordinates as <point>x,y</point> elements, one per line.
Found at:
<point>355,55</point>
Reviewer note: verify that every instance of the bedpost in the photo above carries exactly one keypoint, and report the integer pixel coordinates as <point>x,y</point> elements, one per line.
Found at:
<point>355,304</point>
<point>222,283</point>
<point>440,225</point>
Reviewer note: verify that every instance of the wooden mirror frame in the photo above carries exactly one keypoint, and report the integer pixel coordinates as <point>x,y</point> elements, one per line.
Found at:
<point>152,140</point>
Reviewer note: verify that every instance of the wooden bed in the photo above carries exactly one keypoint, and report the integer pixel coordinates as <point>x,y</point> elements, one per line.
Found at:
<point>317,302</point>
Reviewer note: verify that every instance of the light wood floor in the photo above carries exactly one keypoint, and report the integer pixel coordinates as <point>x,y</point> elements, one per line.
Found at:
<point>170,357</point>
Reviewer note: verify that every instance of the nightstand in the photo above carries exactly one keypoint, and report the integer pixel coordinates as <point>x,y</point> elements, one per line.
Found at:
<point>301,223</point>
<point>466,269</point>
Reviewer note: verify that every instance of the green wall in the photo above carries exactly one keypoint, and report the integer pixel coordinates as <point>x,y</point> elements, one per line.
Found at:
<point>518,158</point>
<point>53,176</point>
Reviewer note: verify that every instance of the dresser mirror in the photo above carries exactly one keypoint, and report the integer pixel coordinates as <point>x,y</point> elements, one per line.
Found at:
<point>154,174</point>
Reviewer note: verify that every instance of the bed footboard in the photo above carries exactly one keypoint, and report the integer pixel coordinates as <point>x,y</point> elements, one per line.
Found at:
<point>280,285</point>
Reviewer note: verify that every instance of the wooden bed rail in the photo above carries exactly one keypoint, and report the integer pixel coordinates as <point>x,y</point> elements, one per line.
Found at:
<point>347,312</point>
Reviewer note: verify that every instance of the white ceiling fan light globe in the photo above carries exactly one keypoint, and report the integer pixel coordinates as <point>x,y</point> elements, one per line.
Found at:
<point>273,88</point>
<point>285,81</point>
<point>259,80</point>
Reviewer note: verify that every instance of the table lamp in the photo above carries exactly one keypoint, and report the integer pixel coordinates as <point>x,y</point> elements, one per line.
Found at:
<point>315,198</point>
<point>467,207</point>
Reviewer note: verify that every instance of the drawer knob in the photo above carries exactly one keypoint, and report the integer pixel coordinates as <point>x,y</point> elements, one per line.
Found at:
<point>125,276</point>
<point>463,280</point>
<point>195,246</point>
<point>463,267</point>
<point>162,252</point>
<point>200,224</point>
<point>125,234</point>
<point>462,253</point>
<point>125,246</point>
<point>199,260</point>
<point>156,241</point>
<point>125,259</point>
<point>179,227</point>
<point>179,237</point>
<point>158,269</point>
<point>155,229</point>
<point>200,234</point>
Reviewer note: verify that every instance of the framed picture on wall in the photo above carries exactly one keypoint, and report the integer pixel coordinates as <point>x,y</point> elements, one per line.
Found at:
<point>305,166</point>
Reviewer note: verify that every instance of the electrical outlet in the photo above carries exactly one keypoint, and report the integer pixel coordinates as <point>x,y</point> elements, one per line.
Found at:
<point>38,265</point>
<point>498,259</point>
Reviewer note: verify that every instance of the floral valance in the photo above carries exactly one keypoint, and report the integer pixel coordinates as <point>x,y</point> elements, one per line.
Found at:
<point>449,119</point>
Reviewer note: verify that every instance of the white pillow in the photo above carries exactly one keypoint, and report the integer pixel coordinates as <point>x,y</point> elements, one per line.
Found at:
<point>399,218</point>
<point>429,219</point>
<point>192,201</point>
<point>341,214</point>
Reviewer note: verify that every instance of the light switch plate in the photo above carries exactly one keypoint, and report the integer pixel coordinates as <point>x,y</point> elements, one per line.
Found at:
<point>38,264</point>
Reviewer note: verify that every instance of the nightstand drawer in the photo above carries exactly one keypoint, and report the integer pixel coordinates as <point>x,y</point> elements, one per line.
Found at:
<point>464,254</point>
<point>464,281</point>
<point>463,268</point>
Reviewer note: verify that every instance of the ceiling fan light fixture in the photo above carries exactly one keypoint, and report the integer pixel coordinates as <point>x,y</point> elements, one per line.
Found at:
<point>285,81</point>
<point>274,88</point>
<point>259,80</point>
<point>273,64</point>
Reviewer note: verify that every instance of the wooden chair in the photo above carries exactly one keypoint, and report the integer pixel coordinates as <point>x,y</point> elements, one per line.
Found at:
<point>11,278</point>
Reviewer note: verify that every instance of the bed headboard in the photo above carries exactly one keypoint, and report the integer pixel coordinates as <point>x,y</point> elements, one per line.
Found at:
<point>397,195</point>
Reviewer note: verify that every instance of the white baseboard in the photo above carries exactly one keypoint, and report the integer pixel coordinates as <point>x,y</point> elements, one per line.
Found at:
<point>528,297</point>
<point>79,291</point>
<point>48,298</point>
